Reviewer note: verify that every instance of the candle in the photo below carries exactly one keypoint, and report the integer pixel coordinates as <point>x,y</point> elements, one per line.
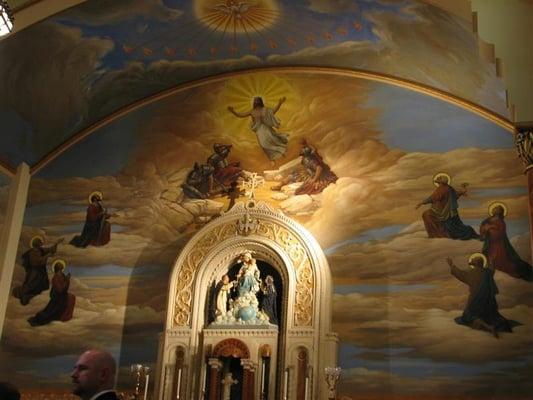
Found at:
<point>286,393</point>
<point>179,385</point>
<point>146,387</point>
<point>306,393</point>
<point>204,380</point>
<point>263,379</point>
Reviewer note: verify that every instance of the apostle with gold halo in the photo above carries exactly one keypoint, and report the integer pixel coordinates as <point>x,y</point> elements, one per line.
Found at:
<point>481,310</point>
<point>34,262</point>
<point>96,230</point>
<point>61,303</point>
<point>497,247</point>
<point>442,219</point>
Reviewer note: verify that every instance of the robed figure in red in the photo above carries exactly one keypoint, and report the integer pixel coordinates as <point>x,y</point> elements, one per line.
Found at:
<point>497,247</point>
<point>96,230</point>
<point>225,173</point>
<point>442,219</point>
<point>313,173</point>
<point>61,304</point>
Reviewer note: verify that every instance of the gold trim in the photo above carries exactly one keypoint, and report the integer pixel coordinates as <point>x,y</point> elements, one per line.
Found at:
<point>495,204</point>
<point>478,255</point>
<point>292,246</point>
<point>371,76</point>
<point>35,238</point>
<point>438,175</point>
<point>96,192</point>
<point>58,261</point>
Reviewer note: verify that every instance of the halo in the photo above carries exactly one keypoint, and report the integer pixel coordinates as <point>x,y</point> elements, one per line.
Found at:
<point>59,261</point>
<point>96,192</point>
<point>438,175</point>
<point>495,204</point>
<point>478,255</point>
<point>35,238</point>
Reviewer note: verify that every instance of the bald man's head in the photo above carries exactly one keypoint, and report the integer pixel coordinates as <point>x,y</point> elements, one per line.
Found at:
<point>94,372</point>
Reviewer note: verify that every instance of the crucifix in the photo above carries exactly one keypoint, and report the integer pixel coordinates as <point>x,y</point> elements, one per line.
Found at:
<point>254,181</point>
<point>227,383</point>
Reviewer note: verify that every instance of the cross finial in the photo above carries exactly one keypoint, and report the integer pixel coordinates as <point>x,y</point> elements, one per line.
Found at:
<point>254,180</point>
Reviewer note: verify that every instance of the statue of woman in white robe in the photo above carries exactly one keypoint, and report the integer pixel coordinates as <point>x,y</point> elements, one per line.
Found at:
<point>265,125</point>
<point>223,294</point>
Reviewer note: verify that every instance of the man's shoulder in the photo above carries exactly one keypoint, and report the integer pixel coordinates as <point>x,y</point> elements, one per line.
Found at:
<point>107,396</point>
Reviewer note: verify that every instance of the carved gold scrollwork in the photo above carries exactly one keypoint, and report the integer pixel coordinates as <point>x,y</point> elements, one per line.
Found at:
<point>302,265</point>
<point>290,243</point>
<point>182,308</point>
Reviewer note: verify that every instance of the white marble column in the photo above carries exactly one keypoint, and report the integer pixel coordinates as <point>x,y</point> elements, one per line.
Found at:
<point>9,240</point>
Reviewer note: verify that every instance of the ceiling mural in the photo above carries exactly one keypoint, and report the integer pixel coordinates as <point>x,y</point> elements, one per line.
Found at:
<point>350,159</point>
<point>69,71</point>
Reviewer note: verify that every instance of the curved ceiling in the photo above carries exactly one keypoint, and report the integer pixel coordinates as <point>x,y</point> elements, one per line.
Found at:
<point>77,67</point>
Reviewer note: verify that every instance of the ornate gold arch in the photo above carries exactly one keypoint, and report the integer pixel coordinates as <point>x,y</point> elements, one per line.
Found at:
<point>264,228</point>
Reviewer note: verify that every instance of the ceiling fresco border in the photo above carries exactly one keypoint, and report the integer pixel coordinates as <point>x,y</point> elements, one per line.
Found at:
<point>360,74</point>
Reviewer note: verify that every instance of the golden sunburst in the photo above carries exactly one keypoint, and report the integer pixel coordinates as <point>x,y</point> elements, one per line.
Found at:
<point>235,16</point>
<point>239,93</point>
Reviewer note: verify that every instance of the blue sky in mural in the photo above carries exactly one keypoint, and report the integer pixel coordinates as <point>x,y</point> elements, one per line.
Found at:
<point>515,227</point>
<point>371,234</point>
<point>379,288</point>
<point>293,26</point>
<point>117,270</point>
<point>433,125</point>
<point>390,359</point>
<point>104,152</point>
<point>15,140</point>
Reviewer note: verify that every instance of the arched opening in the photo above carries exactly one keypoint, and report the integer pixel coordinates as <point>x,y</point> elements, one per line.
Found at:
<point>245,249</point>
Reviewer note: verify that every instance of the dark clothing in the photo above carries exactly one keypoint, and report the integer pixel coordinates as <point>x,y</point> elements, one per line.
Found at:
<point>268,303</point>
<point>199,182</point>
<point>214,291</point>
<point>8,391</point>
<point>108,396</point>
<point>61,303</point>
<point>315,172</point>
<point>36,279</point>
<point>481,302</point>
<point>499,250</point>
<point>442,219</point>
<point>96,231</point>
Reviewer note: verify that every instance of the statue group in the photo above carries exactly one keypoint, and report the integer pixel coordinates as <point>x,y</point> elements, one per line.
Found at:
<point>247,299</point>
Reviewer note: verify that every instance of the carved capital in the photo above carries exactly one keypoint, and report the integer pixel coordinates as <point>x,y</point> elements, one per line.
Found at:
<point>214,363</point>
<point>248,364</point>
<point>524,145</point>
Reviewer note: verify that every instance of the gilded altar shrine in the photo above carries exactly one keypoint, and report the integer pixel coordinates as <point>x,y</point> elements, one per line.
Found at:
<point>249,312</point>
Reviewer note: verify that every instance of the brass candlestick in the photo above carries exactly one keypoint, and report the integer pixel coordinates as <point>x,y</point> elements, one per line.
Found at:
<point>139,373</point>
<point>332,375</point>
